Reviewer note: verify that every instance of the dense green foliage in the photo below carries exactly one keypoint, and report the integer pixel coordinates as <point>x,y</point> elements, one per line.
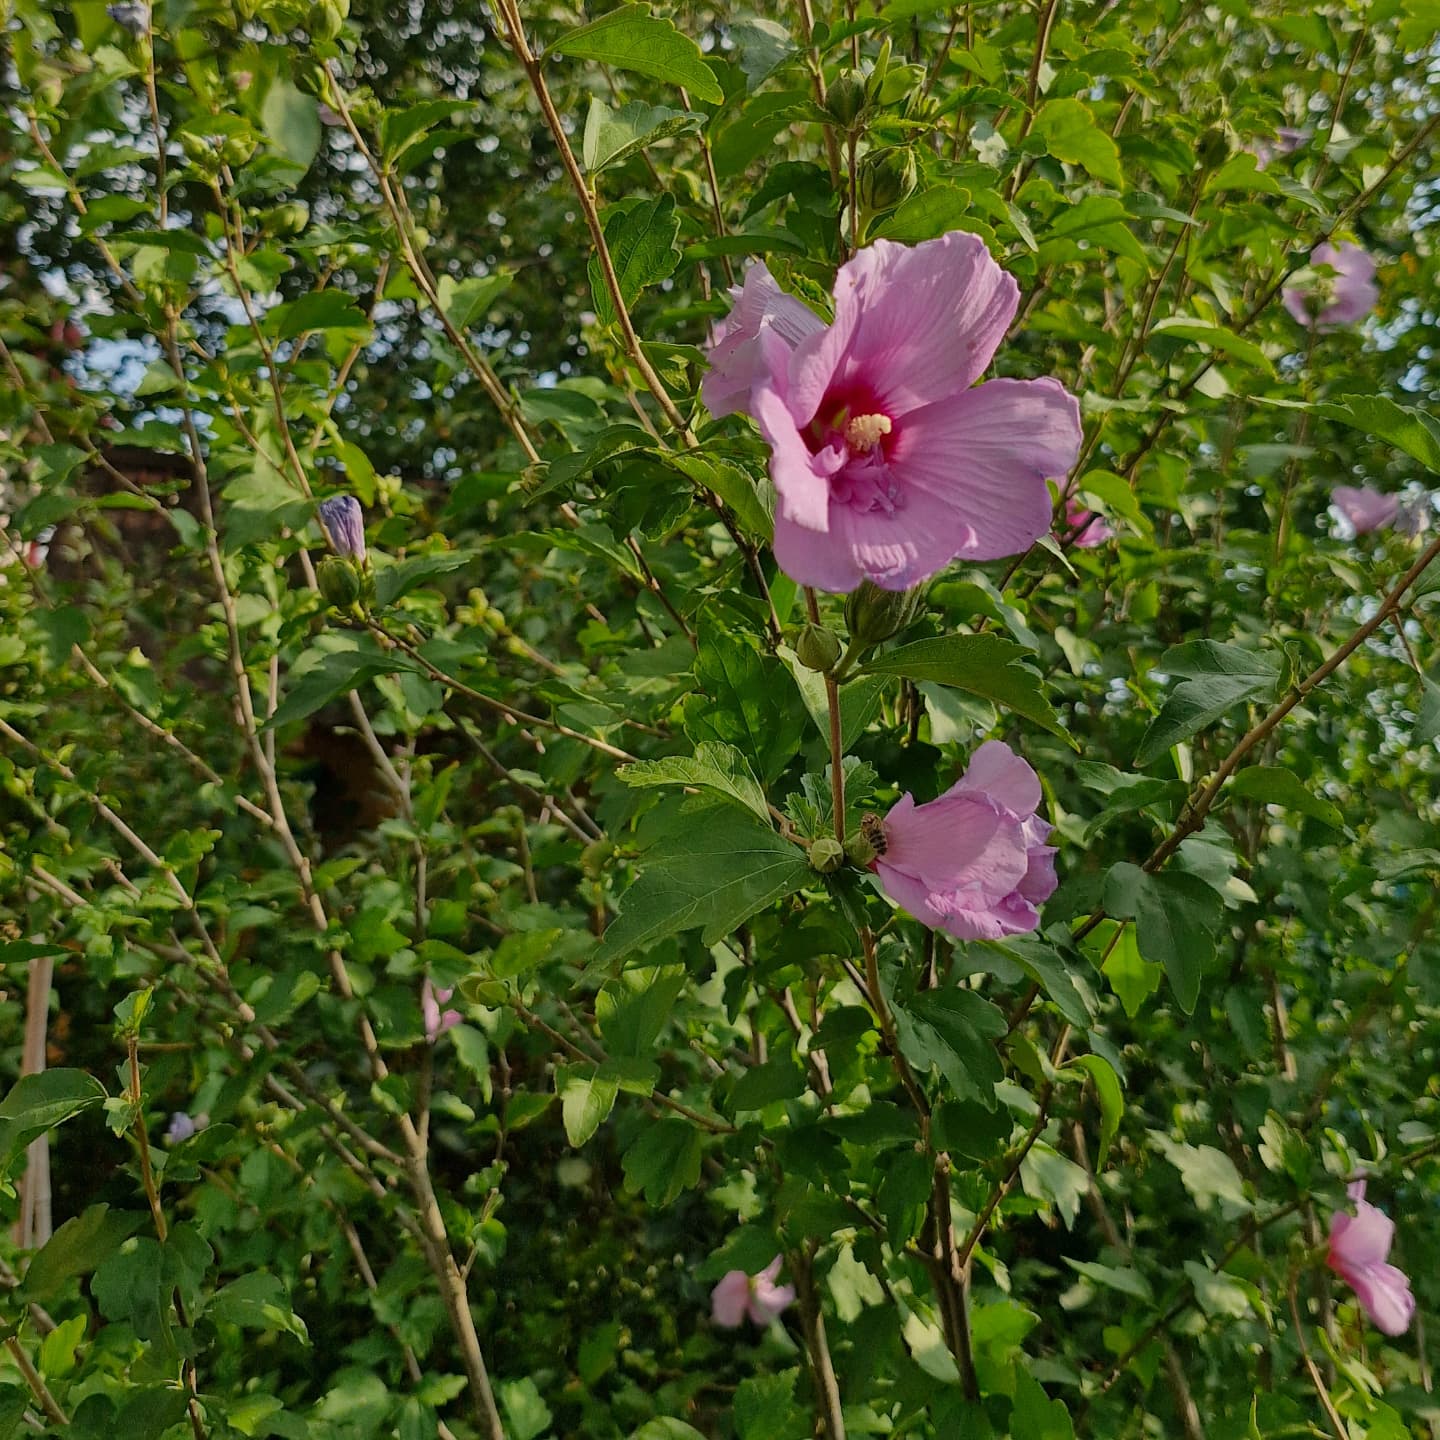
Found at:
<point>561,757</point>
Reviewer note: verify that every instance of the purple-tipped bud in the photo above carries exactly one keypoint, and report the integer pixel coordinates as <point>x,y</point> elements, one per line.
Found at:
<point>344,522</point>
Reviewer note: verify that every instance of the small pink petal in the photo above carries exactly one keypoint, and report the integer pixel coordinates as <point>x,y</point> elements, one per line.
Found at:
<point>730,1299</point>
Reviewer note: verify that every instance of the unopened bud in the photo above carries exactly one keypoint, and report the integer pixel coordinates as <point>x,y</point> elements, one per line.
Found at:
<point>817,648</point>
<point>827,854</point>
<point>873,615</point>
<point>287,219</point>
<point>886,177</point>
<point>340,581</point>
<point>845,100</point>
<point>859,851</point>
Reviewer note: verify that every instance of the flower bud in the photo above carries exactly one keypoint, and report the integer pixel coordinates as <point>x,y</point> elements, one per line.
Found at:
<point>344,523</point>
<point>817,648</point>
<point>826,854</point>
<point>873,614</point>
<point>340,581</point>
<point>886,177</point>
<point>287,219</point>
<point>845,100</point>
<point>859,851</point>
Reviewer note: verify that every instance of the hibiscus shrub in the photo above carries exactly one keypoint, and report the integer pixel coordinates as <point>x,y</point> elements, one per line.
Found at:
<point>719,720</point>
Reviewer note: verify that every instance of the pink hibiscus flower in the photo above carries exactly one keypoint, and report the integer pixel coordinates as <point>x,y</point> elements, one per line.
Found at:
<point>973,862</point>
<point>758,1296</point>
<point>1359,1245</point>
<point>1343,299</point>
<point>1094,529</point>
<point>888,461</point>
<point>1365,509</point>
<point>436,1023</point>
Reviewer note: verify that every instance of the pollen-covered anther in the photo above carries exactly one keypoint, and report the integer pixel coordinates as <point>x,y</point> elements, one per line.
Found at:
<point>864,432</point>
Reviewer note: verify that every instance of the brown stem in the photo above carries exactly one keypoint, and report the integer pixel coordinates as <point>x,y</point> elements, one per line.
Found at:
<point>38,1388</point>
<point>831,1418</point>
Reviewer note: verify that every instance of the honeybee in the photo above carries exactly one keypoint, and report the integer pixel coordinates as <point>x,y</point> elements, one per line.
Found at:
<point>872,827</point>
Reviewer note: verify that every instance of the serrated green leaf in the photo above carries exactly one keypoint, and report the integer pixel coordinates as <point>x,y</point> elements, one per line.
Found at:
<point>1217,337</point>
<point>630,38</point>
<point>1070,133</point>
<point>1217,678</point>
<point>714,766</point>
<point>614,135</point>
<point>1274,785</point>
<point>1175,914</point>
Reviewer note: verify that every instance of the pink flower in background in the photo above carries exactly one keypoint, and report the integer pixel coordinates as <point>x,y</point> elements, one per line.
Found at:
<point>1365,509</point>
<point>973,862</point>
<point>888,460</point>
<point>436,1023</point>
<point>1094,529</point>
<point>1359,1245</point>
<point>1286,141</point>
<point>758,1296</point>
<point>1343,299</point>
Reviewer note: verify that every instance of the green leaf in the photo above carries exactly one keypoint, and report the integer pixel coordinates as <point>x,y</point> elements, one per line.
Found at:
<point>715,870</point>
<point>1112,1100</point>
<point>1034,1415</point>
<point>38,1103</point>
<point>76,1248</point>
<point>393,581</point>
<point>1127,1281</point>
<point>986,665</point>
<point>664,1162</point>
<point>1207,1173</point>
<point>292,121</point>
<point>1070,133</point>
<point>257,1301</point>
<point>329,673</point>
<point>400,129</point>
<point>731,484</point>
<point>1427,719</point>
<point>779,1078</point>
<point>714,766</point>
<point>528,1414</point>
<point>1115,497</point>
<point>1133,979</point>
<point>1217,678</point>
<point>467,301</point>
<point>1217,337</point>
<point>630,38</point>
<point>614,135</point>
<point>641,239</point>
<point>926,214</point>
<point>1406,427</point>
<point>586,1100</point>
<point>1175,914</point>
<point>1274,785</point>
<point>260,502</point>
<point>16,952</point>
<point>663,1429</point>
<point>318,310</point>
<point>954,1029</point>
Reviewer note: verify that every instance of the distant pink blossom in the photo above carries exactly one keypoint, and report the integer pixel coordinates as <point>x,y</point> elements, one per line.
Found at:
<point>973,862</point>
<point>1286,141</point>
<point>758,1296</point>
<point>888,460</point>
<point>1342,299</point>
<point>1365,509</point>
<point>1359,1247</point>
<point>1094,528</point>
<point>436,1022</point>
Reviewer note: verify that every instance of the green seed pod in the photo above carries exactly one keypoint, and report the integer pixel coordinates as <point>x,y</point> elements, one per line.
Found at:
<point>340,581</point>
<point>886,177</point>
<point>845,100</point>
<point>873,614</point>
<point>817,648</point>
<point>859,851</point>
<point>288,219</point>
<point>826,854</point>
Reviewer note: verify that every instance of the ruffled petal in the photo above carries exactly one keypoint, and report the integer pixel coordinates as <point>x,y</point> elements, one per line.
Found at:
<point>802,480</point>
<point>916,324</point>
<point>987,455</point>
<point>910,893</point>
<point>1365,509</point>
<point>737,360</point>
<point>901,548</point>
<point>730,1298</point>
<point>953,841</point>
<point>996,771</point>
<point>1384,1291</point>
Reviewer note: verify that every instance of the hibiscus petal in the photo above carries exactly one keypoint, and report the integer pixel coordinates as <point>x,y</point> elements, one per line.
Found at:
<point>737,360</point>
<point>730,1298</point>
<point>802,480</point>
<point>910,893</point>
<point>813,557</point>
<point>900,548</point>
<point>1364,1240</point>
<point>1365,509</point>
<point>997,771</point>
<point>919,323</point>
<point>957,841</point>
<point>986,455</point>
<point>1384,1291</point>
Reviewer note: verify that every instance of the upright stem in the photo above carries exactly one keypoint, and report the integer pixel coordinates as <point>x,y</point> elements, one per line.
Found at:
<point>837,748</point>
<point>827,1390</point>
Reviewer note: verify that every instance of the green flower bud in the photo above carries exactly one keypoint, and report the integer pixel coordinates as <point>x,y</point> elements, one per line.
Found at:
<point>899,82</point>
<point>326,20</point>
<point>817,648</point>
<point>288,219</point>
<point>826,854</point>
<point>859,851</point>
<point>845,100</point>
<point>873,614</point>
<point>340,581</point>
<point>886,177</point>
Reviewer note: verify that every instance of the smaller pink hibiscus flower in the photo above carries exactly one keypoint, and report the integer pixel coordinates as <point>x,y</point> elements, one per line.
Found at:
<point>1342,299</point>
<point>1359,1245</point>
<point>436,1022</point>
<point>758,1296</point>
<point>1094,529</point>
<point>973,862</point>
<point>1365,509</point>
